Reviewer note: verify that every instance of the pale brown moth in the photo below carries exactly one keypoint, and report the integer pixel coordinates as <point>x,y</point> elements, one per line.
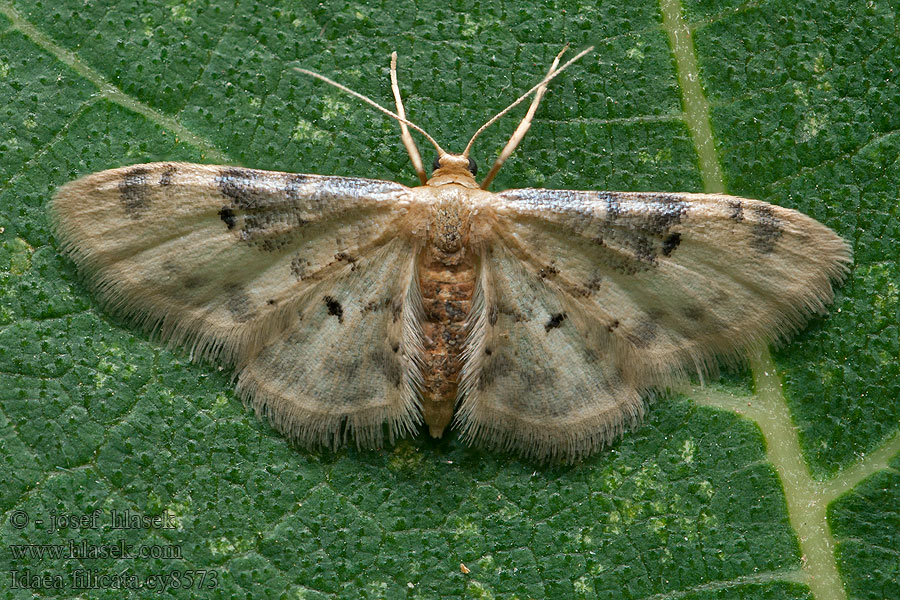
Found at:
<point>355,309</point>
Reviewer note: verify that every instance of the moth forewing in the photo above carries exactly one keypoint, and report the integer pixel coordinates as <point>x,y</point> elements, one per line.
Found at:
<point>217,257</point>
<point>356,309</point>
<point>674,278</point>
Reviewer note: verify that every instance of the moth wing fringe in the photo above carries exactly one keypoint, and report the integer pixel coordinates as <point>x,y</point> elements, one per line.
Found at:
<point>547,443</point>
<point>413,344</point>
<point>368,428</point>
<point>476,328</point>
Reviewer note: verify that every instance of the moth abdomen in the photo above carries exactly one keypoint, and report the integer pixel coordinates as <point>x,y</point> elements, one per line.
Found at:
<point>447,281</point>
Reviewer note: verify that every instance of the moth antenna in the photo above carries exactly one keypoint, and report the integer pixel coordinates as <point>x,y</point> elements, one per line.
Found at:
<point>408,141</point>
<point>522,129</point>
<point>542,82</point>
<point>371,102</point>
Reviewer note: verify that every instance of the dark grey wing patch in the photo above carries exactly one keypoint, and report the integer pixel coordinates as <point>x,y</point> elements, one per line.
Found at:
<point>767,229</point>
<point>237,184</point>
<point>270,211</point>
<point>134,192</point>
<point>637,237</point>
<point>266,214</point>
<point>693,312</point>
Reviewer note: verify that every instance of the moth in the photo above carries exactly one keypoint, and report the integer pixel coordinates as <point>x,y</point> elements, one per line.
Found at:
<point>532,320</point>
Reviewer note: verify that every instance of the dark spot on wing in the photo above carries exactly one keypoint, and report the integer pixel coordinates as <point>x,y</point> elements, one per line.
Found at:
<point>488,351</point>
<point>766,230</point>
<point>612,326</point>
<point>594,283</point>
<point>271,302</point>
<point>497,365</point>
<point>694,313</point>
<point>555,321</point>
<point>238,304</point>
<point>258,231</point>
<point>266,207</point>
<point>548,271</point>
<point>670,243</point>
<point>516,315</point>
<point>396,309</point>
<point>637,232</point>
<point>193,281</point>
<point>388,365</point>
<point>376,305</point>
<point>395,347</point>
<point>167,174</point>
<point>334,308</point>
<point>134,192</point>
<point>736,210</point>
<point>493,313</point>
<point>228,217</point>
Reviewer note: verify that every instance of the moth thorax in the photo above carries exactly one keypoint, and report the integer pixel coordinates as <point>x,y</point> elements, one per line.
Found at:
<point>448,229</point>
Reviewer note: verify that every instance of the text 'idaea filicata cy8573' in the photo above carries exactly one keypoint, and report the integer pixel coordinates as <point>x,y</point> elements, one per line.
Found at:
<point>355,309</point>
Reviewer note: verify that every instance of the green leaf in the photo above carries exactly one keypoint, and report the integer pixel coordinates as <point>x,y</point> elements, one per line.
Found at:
<point>727,491</point>
<point>866,522</point>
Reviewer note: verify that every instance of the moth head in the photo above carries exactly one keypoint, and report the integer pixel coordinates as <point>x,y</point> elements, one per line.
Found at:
<point>455,161</point>
<point>453,168</point>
